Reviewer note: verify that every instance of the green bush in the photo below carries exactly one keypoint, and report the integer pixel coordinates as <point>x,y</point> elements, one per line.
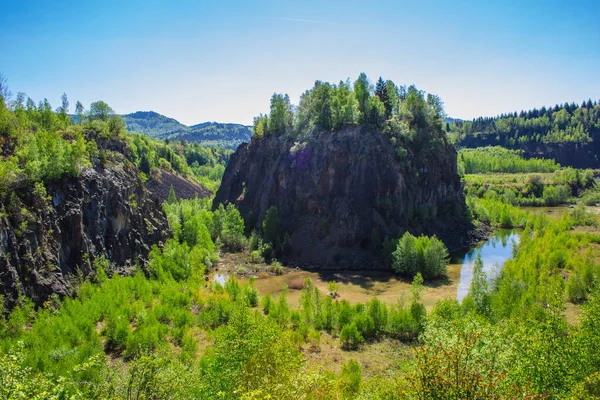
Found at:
<point>425,255</point>
<point>350,379</point>
<point>350,337</point>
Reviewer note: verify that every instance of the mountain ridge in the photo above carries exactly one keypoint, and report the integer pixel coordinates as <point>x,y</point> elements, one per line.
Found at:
<point>159,126</point>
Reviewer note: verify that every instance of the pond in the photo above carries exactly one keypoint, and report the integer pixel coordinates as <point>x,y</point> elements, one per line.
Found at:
<point>494,253</point>
<point>362,286</point>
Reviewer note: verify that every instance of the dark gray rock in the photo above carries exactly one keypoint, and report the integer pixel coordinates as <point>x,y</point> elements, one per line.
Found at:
<point>45,242</point>
<point>335,191</point>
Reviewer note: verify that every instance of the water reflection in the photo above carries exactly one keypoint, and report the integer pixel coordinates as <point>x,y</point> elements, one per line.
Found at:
<point>494,254</point>
<point>221,278</point>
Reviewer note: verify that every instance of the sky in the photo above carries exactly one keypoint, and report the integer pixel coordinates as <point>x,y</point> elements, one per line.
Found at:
<point>205,60</point>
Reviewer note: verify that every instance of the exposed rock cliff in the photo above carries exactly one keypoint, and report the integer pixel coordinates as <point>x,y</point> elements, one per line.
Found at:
<point>46,239</point>
<point>339,194</point>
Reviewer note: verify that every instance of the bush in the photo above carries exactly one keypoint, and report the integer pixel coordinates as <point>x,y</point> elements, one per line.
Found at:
<point>350,379</point>
<point>276,267</point>
<point>350,337</point>
<point>427,255</point>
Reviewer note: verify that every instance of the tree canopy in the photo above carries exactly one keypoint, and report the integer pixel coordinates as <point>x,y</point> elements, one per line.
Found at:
<point>328,107</point>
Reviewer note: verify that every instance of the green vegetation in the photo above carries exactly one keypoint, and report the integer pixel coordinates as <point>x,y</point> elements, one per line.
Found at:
<point>549,189</point>
<point>496,159</point>
<point>425,255</point>
<point>169,334</point>
<point>558,124</point>
<point>404,112</point>
<point>39,145</point>
<point>204,164</point>
<point>42,145</point>
<point>158,126</point>
<point>164,331</point>
<point>494,172</point>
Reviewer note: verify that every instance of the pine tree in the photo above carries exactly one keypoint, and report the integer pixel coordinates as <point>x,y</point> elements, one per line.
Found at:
<point>381,91</point>
<point>172,196</point>
<point>145,165</point>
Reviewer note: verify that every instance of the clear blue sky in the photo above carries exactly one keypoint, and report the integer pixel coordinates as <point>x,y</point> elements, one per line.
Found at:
<point>221,60</point>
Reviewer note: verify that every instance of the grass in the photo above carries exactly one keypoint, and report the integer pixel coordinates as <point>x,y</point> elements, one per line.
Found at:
<point>385,357</point>
<point>356,286</point>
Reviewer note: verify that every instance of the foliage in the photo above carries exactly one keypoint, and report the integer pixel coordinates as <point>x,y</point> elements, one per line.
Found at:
<point>425,255</point>
<point>329,107</point>
<point>158,126</point>
<point>558,124</point>
<point>485,160</point>
<point>534,189</point>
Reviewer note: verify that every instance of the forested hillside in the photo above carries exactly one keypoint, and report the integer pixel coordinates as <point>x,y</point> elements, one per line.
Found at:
<point>70,193</point>
<point>568,133</point>
<point>158,126</point>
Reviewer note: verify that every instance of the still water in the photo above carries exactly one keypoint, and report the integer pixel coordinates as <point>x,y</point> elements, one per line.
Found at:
<point>362,286</point>
<point>494,253</point>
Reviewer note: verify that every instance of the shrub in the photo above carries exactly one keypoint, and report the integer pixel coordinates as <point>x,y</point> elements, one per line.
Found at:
<point>350,337</point>
<point>256,257</point>
<point>350,379</point>
<point>276,268</point>
<point>402,324</point>
<point>427,255</point>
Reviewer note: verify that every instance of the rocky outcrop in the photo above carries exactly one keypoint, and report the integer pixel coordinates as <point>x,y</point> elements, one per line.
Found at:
<point>48,238</point>
<point>185,188</point>
<point>340,194</point>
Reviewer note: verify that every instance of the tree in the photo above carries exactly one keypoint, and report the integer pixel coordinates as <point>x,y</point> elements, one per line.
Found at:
<point>100,110</point>
<point>281,116</point>
<point>145,164</point>
<point>436,110</point>
<point>377,112</point>
<point>362,92</point>
<point>172,196</point>
<point>272,226</point>
<point>350,337</point>
<point>321,105</point>
<point>350,379</point>
<point>479,287</point>
<point>79,111</point>
<point>427,255</point>
<point>5,93</point>
<point>414,108</point>
<point>381,91</point>
<point>343,105</point>
<point>63,111</point>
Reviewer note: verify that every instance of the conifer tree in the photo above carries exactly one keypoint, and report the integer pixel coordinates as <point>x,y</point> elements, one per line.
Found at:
<point>172,196</point>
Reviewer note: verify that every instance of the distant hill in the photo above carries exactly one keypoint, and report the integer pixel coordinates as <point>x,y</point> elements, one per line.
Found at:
<point>159,126</point>
<point>569,133</point>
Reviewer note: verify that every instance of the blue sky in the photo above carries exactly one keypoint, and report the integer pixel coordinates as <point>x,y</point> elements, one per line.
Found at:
<point>221,60</point>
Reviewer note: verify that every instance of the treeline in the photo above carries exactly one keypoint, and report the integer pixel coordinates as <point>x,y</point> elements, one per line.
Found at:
<point>329,107</point>
<point>562,186</point>
<point>158,126</point>
<point>206,164</point>
<point>40,144</point>
<point>561,123</point>
<point>496,159</point>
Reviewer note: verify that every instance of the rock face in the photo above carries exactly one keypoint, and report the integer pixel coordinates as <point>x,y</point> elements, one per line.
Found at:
<point>340,194</point>
<point>46,240</point>
<point>184,188</point>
